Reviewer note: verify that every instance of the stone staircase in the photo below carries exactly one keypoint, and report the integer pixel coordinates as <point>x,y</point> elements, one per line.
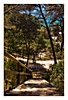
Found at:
<point>35,86</point>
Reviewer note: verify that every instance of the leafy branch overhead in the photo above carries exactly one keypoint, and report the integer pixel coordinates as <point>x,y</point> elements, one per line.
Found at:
<point>29,25</point>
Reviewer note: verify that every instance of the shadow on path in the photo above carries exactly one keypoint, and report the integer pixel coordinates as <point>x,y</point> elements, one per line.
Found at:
<point>36,86</point>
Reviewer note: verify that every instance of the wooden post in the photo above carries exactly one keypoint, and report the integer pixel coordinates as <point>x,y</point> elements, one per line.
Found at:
<point>6,83</point>
<point>18,75</point>
<point>24,70</point>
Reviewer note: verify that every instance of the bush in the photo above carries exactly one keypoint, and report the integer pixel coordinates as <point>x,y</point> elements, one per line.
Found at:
<point>46,76</point>
<point>60,55</point>
<point>57,75</point>
<point>9,79</point>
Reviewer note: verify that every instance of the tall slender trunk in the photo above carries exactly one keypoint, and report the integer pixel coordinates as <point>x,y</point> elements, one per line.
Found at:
<point>28,54</point>
<point>62,27</point>
<point>27,63</point>
<point>62,44</point>
<point>55,61</point>
<point>34,56</point>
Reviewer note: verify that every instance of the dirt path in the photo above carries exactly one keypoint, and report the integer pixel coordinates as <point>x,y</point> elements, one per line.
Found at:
<point>45,63</point>
<point>35,87</point>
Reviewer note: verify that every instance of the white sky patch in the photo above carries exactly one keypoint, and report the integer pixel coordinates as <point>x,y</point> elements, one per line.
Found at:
<point>54,37</point>
<point>60,32</point>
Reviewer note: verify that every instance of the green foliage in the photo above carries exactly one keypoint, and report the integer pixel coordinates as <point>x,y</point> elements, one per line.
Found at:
<point>9,64</point>
<point>22,30</point>
<point>24,38</point>
<point>46,76</point>
<point>60,55</point>
<point>9,80</point>
<point>57,47</point>
<point>57,75</point>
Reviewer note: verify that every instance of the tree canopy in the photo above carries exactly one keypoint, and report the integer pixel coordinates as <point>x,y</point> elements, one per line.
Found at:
<point>27,26</point>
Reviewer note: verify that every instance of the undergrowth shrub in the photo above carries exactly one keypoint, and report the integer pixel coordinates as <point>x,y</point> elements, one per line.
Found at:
<point>46,76</point>
<point>57,75</point>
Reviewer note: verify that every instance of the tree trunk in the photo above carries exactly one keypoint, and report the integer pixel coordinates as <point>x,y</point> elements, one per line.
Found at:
<point>62,27</point>
<point>34,61</point>
<point>55,61</point>
<point>27,60</point>
<point>62,44</point>
<point>18,76</point>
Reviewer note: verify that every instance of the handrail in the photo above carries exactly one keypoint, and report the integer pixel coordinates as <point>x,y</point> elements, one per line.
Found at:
<point>15,60</point>
<point>17,72</point>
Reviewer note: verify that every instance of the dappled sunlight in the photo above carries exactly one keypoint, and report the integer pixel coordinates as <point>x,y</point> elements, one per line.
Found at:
<point>38,87</point>
<point>36,91</point>
<point>16,89</point>
<point>36,81</point>
<point>31,89</point>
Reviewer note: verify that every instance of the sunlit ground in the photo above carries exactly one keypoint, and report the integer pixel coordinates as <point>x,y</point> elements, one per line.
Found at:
<point>45,63</point>
<point>36,87</point>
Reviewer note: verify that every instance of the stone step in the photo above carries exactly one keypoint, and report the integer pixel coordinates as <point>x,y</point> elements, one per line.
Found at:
<point>35,87</point>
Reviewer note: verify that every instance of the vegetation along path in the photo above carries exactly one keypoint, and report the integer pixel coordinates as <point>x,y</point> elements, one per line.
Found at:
<point>37,86</point>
